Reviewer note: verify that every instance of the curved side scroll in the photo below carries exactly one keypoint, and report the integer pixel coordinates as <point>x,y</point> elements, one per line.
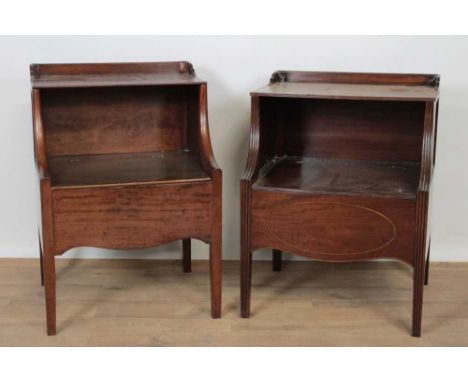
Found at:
<point>427,154</point>
<point>40,156</point>
<point>422,234</point>
<point>249,175</point>
<point>209,164</point>
<point>39,138</point>
<point>252,165</point>
<point>206,151</point>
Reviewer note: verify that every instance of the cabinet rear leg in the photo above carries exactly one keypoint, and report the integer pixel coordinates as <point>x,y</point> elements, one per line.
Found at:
<point>187,255</point>
<point>216,276</point>
<point>277,260</point>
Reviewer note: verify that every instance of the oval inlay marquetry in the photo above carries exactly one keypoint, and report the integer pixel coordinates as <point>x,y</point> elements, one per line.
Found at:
<point>331,228</point>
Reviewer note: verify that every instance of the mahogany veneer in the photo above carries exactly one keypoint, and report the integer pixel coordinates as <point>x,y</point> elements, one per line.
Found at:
<point>98,170</point>
<point>339,169</point>
<point>340,177</point>
<point>125,161</point>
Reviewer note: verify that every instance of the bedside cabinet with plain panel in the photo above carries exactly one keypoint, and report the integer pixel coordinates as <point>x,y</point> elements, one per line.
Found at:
<point>124,159</point>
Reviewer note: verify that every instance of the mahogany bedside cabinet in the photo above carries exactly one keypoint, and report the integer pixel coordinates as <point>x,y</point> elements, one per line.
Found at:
<point>125,161</point>
<point>339,169</point>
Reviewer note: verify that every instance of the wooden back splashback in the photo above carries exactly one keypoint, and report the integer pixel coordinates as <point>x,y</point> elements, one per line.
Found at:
<point>115,120</point>
<point>352,129</point>
<point>361,116</point>
<point>118,107</point>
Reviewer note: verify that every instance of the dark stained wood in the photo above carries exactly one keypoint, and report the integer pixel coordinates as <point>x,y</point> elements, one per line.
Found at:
<point>216,244</point>
<point>277,261</point>
<point>46,222</point>
<point>135,168</point>
<point>405,79</point>
<point>187,255</point>
<point>124,159</point>
<point>40,152</point>
<point>114,120</point>
<point>422,207</point>
<point>348,91</point>
<point>339,169</point>
<point>209,164</point>
<point>340,177</point>
<point>333,228</point>
<point>48,251</point>
<point>131,216</point>
<point>112,74</point>
<point>256,155</point>
<point>361,130</point>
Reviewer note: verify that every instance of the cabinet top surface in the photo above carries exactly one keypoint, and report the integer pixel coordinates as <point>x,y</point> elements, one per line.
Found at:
<point>113,74</point>
<point>358,86</point>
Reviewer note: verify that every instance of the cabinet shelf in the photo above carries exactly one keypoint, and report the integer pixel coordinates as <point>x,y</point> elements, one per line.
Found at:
<point>340,177</point>
<point>136,168</point>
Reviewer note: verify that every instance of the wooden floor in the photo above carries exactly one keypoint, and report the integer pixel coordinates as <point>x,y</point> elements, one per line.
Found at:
<point>152,303</point>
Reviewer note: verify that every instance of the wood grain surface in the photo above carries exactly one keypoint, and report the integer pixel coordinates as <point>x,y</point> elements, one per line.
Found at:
<point>348,91</point>
<point>360,130</point>
<point>333,228</point>
<point>131,216</point>
<point>107,169</point>
<point>109,120</point>
<point>340,177</point>
<point>45,76</point>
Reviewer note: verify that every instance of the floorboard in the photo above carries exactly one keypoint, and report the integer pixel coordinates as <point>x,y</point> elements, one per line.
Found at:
<point>153,303</point>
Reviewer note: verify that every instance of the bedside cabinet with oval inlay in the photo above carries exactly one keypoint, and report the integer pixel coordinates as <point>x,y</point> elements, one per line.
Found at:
<point>339,169</point>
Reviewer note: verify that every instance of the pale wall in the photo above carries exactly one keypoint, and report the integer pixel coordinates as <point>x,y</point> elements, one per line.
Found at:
<point>233,66</point>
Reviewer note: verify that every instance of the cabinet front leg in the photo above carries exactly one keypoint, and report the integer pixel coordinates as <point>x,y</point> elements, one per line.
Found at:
<point>216,277</point>
<point>49,279</point>
<point>186,255</point>
<point>246,254</point>
<point>419,262</point>
<point>418,287</point>
<point>246,282</point>
<point>216,246</point>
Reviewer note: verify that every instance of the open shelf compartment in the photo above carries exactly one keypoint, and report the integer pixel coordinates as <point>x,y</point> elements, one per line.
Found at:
<point>111,169</point>
<point>339,177</point>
